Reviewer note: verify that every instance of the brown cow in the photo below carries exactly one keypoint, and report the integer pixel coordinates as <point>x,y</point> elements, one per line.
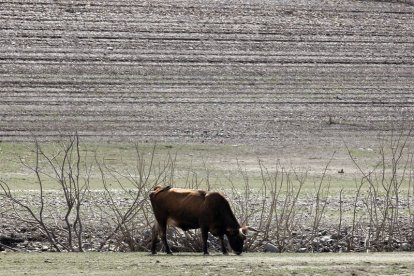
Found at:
<point>192,209</point>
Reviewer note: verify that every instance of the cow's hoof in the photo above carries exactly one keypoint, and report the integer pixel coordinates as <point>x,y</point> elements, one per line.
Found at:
<point>226,253</point>
<point>206,253</point>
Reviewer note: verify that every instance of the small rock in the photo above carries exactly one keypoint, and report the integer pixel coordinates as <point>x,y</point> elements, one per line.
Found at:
<point>323,233</point>
<point>324,249</point>
<point>87,246</point>
<point>405,247</point>
<point>316,242</point>
<point>326,239</point>
<point>303,250</point>
<point>268,247</point>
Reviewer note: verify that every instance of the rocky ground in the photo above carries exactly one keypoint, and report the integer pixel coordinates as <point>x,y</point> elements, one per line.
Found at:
<point>99,222</point>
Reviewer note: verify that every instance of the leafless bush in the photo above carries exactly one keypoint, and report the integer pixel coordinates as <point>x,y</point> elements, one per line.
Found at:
<point>63,228</point>
<point>383,200</point>
<point>275,208</point>
<point>129,224</point>
<point>282,220</point>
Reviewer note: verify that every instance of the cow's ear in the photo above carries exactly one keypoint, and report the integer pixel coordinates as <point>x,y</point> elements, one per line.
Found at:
<point>244,230</point>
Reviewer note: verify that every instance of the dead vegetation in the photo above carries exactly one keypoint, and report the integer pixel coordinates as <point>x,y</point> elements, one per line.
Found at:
<point>377,217</point>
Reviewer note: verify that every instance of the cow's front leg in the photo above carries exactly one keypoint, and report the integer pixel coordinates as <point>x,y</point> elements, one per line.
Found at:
<point>204,236</point>
<point>223,246</point>
<point>163,232</point>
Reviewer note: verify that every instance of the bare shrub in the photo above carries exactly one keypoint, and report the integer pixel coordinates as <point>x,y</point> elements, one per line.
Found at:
<point>129,224</point>
<point>63,227</point>
<point>277,209</point>
<point>282,221</point>
<point>384,195</point>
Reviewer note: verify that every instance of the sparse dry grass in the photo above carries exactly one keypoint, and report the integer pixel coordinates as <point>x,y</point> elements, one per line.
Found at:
<point>196,264</point>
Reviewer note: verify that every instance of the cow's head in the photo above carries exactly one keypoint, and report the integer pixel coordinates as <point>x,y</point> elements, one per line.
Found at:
<point>236,238</point>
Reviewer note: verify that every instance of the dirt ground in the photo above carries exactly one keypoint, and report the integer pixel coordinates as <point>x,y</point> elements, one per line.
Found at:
<point>196,264</point>
<point>294,77</point>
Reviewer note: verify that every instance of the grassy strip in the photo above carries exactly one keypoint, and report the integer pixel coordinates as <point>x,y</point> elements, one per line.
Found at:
<point>196,264</point>
<point>193,163</point>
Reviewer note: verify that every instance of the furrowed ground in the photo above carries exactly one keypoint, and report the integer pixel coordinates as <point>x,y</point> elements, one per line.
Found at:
<point>286,75</point>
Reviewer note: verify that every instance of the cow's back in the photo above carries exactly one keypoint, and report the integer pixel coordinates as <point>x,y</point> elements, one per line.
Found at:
<point>179,207</point>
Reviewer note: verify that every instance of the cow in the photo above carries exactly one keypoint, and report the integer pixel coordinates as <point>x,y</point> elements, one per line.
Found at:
<point>193,209</point>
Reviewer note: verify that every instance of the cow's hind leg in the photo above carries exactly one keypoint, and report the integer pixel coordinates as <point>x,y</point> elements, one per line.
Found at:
<point>163,233</point>
<point>223,246</point>
<point>154,238</point>
<point>204,236</point>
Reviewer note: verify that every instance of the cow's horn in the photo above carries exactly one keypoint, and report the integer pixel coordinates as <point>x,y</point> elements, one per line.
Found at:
<point>241,232</point>
<point>252,229</point>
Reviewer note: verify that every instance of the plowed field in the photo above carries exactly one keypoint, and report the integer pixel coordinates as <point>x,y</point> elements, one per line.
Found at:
<point>274,73</point>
